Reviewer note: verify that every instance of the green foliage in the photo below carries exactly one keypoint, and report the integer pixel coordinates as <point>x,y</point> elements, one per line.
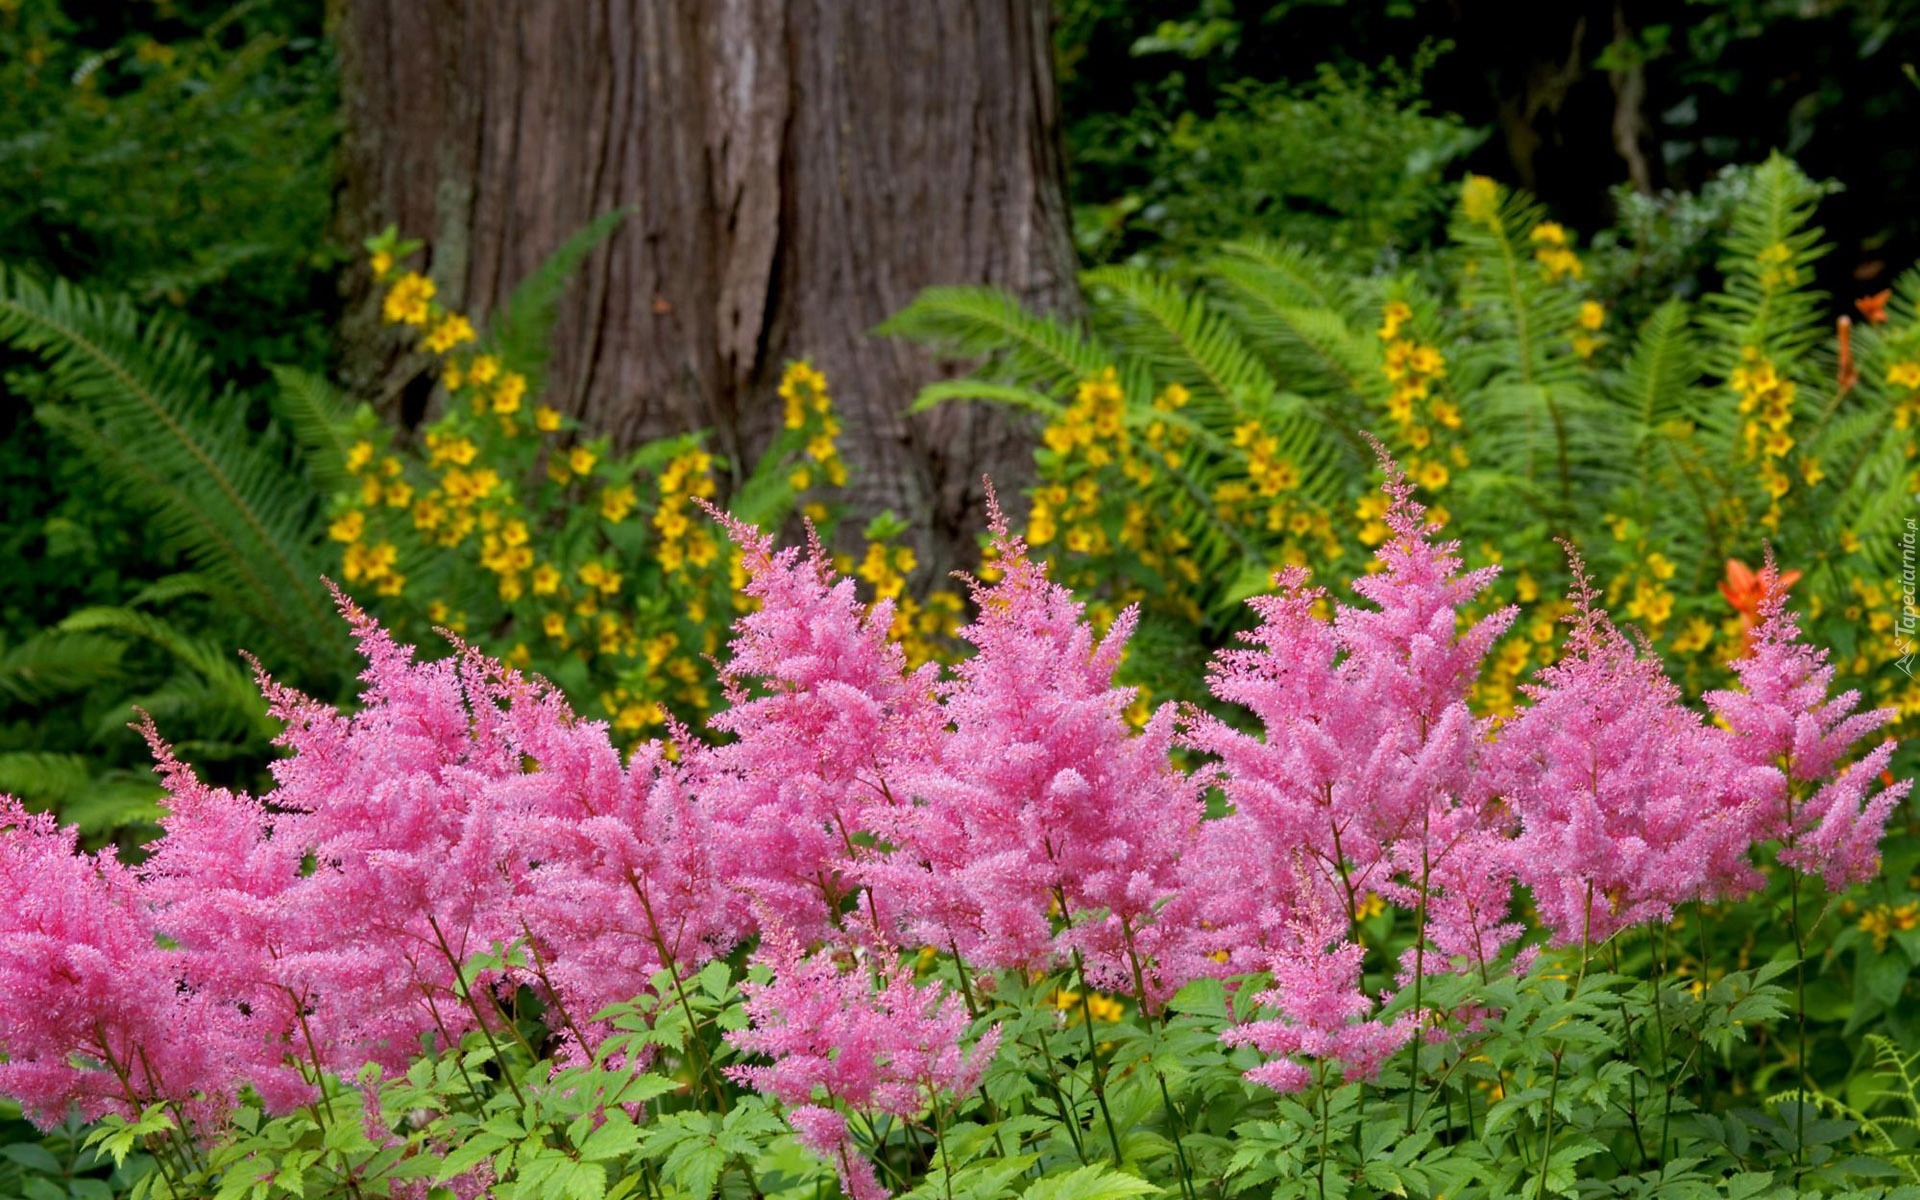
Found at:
<point>1352,162</point>
<point>1509,391</point>
<point>185,161</point>
<point>1598,1072</point>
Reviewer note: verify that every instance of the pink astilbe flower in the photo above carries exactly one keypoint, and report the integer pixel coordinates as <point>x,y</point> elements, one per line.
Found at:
<point>218,884</point>
<point>1045,803</point>
<point>1793,739</point>
<point>1620,789</point>
<point>92,1014</point>
<point>404,873</point>
<point>815,756</point>
<point>836,1037</point>
<point>1369,775</point>
<point>626,880</point>
<point>1322,1015</point>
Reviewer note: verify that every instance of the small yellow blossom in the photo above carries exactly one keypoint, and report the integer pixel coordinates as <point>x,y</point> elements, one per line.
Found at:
<point>348,527</point>
<point>453,330</point>
<point>409,301</point>
<point>616,502</point>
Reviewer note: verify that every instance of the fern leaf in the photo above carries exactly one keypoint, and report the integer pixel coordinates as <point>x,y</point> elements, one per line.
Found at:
<point>317,415</point>
<point>1042,352</point>
<point>135,400</point>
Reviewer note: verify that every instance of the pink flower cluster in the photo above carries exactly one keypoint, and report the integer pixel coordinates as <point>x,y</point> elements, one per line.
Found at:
<point>1005,812</point>
<point>836,1034</point>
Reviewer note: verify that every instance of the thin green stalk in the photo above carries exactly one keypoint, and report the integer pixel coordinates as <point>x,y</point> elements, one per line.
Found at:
<point>466,996</point>
<point>1419,976</point>
<point>1068,1116</point>
<point>1560,1051</point>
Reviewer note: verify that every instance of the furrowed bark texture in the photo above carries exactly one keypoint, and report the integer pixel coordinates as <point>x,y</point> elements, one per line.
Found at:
<point>796,171</point>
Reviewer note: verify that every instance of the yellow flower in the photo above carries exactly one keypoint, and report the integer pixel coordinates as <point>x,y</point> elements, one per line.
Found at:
<point>580,460</point>
<point>369,562</point>
<point>483,370</point>
<point>399,494</point>
<point>512,390</point>
<point>546,579</point>
<point>359,456</point>
<point>803,389</point>
<point>381,262</point>
<point>349,527</point>
<point>1593,314</point>
<point>453,330</point>
<point>1904,374</point>
<point>617,502</point>
<point>555,625</point>
<point>1396,314</point>
<point>1550,233</point>
<point>545,419</point>
<point>1432,475</point>
<point>408,302</point>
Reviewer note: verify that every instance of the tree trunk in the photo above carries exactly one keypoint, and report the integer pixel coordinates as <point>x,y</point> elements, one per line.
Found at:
<point>797,171</point>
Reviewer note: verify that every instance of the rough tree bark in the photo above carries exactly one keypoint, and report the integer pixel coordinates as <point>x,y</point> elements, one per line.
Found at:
<point>797,170</point>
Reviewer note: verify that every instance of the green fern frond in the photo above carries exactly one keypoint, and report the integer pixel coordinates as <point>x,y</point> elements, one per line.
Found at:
<point>1767,302</point>
<point>217,679</point>
<point>318,416</point>
<point>135,400</point>
<point>1295,275</point>
<point>1180,336</point>
<point>1010,395</point>
<point>50,664</point>
<point>1042,352</point>
<point>98,803</point>
<point>1308,335</point>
